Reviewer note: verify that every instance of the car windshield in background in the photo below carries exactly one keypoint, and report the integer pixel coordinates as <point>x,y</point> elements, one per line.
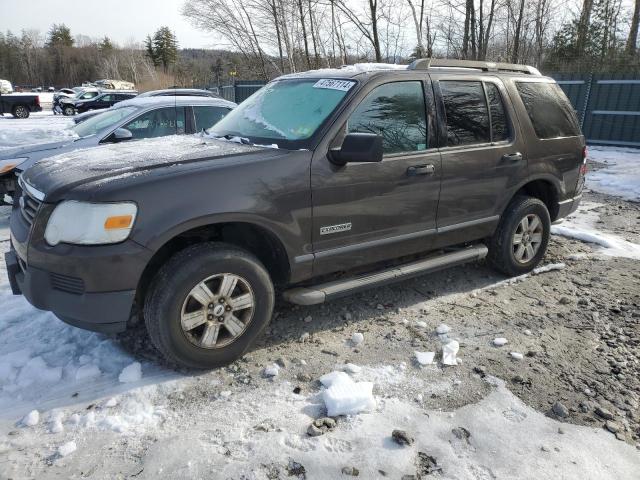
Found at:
<point>103,120</point>
<point>285,112</point>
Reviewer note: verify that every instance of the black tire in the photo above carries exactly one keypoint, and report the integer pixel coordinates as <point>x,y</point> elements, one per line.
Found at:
<point>20,111</point>
<point>171,289</point>
<point>68,111</point>
<point>502,251</point>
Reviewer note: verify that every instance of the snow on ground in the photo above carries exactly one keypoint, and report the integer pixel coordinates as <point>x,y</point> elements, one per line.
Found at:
<point>582,225</point>
<point>40,127</point>
<point>621,177</point>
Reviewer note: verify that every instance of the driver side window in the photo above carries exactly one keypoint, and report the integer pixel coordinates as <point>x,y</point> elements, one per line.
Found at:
<point>396,112</point>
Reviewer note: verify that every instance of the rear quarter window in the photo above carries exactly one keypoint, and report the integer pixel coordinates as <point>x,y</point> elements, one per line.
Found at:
<point>549,110</point>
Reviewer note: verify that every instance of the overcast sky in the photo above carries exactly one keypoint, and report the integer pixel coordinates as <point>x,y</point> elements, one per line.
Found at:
<point>121,20</point>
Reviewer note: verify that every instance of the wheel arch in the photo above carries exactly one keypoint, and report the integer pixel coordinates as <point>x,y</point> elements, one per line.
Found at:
<point>546,189</point>
<point>256,239</point>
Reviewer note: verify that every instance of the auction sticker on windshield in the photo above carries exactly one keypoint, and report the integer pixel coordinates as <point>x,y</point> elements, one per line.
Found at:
<point>343,85</point>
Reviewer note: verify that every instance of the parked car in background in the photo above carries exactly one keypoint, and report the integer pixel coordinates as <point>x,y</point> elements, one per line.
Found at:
<point>65,104</point>
<point>180,92</point>
<point>115,84</point>
<point>19,105</point>
<point>129,120</point>
<point>5,86</point>
<point>103,100</point>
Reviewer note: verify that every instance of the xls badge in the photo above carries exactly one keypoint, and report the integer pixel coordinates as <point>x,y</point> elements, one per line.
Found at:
<point>343,227</point>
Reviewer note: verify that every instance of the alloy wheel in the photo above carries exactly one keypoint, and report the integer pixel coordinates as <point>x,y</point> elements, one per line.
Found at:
<point>527,238</point>
<point>217,310</point>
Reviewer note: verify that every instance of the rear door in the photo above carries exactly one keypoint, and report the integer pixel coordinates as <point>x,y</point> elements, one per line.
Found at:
<point>367,212</point>
<point>483,154</point>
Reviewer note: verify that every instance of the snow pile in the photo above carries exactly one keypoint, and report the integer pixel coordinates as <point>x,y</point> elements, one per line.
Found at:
<point>32,418</point>
<point>620,177</point>
<point>343,396</point>
<point>581,226</point>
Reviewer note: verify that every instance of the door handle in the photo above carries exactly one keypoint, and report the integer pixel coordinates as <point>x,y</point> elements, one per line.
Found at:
<point>512,157</point>
<point>414,170</point>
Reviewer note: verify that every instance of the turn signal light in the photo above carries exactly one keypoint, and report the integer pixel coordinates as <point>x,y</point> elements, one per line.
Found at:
<point>117,222</point>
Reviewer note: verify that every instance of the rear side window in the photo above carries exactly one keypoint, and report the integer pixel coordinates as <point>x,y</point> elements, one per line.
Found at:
<point>499,125</point>
<point>466,111</point>
<point>551,114</point>
<point>207,117</point>
<point>396,112</point>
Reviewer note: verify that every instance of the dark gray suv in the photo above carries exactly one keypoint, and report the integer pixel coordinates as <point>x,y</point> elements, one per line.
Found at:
<point>393,172</point>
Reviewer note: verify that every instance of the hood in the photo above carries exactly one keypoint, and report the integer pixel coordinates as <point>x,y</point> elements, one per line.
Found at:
<point>109,162</point>
<point>26,150</point>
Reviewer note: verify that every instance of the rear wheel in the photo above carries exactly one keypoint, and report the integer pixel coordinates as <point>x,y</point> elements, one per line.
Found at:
<point>20,111</point>
<point>521,239</point>
<point>208,304</point>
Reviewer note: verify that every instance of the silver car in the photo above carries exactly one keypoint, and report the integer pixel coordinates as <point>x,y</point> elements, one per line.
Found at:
<point>129,120</point>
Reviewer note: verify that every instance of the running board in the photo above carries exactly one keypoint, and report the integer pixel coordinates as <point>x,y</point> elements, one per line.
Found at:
<point>315,294</point>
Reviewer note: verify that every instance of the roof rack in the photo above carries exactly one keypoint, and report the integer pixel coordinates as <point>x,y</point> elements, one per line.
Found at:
<point>424,63</point>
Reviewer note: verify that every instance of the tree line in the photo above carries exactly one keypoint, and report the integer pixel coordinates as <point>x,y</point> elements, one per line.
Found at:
<point>266,38</point>
<point>281,36</point>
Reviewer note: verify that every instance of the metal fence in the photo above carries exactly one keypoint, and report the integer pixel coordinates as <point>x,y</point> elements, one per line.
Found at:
<point>241,90</point>
<point>608,106</point>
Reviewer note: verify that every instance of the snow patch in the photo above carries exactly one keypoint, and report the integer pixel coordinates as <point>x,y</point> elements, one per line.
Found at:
<point>621,175</point>
<point>343,396</point>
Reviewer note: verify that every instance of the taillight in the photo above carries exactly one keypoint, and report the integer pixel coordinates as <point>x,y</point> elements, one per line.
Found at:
<point>38,100</point>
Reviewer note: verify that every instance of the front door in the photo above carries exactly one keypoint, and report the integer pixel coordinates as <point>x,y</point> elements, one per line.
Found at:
<point>368,212</point>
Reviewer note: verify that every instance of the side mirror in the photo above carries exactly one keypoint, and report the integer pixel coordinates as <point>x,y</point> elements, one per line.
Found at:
<point>121,135</point>
<point>358,147</point>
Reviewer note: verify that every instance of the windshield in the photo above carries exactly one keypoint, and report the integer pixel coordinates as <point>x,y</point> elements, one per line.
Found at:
<point>284,111</point>
<point>106,119</point>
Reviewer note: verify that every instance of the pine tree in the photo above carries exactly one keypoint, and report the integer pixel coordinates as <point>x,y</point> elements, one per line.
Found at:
<point>59,36</point>
<point>165,48</point>
<point>106,45</point>
<point>148,46</point>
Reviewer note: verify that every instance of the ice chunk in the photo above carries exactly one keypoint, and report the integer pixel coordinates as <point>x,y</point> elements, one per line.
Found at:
<point>425,358</point>
<point>87,371</point>
<point>500,341</point>
<point>32,418</point>
<point>272,370</point>
<point>67,448</point>
<point>516,355</point>
<point>449,352</point>
<point>421,324</point>
<point>351,368</point>
<point>443,329</point>
<point>357,338</point>
<point>112,402</point>
<point>343,396</point>
<point>131,373</point>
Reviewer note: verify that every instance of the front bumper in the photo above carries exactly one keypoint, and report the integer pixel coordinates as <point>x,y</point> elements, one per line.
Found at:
<point>101,312</point>
<point>91,287</point>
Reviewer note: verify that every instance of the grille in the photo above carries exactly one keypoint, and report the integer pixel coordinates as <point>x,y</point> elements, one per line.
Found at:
<point>29,206</point>
<point>67,284</point>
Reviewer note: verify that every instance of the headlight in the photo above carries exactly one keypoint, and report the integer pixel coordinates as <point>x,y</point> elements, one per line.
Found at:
<point>10,163</point>
<point>85,223</point>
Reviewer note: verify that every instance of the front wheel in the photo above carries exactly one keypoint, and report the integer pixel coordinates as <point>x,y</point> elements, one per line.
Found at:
<point>521,239</point>
<point>208,304</point>
<point>20,111</point>
<point>68,111</point>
